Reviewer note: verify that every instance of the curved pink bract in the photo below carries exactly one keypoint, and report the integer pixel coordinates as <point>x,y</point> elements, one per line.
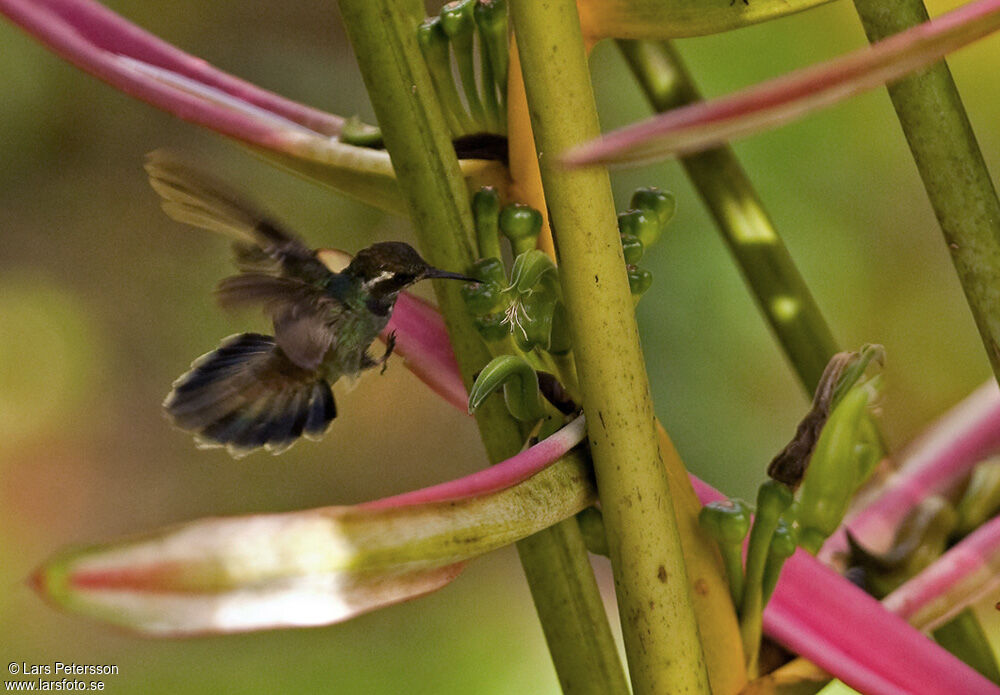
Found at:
<point>107,46</point>
<point>783,99</point>
<point>499,477</point>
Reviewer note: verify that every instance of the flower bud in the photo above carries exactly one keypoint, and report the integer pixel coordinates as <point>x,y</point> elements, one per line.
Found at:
<point>661,203</point>
<point>458,25</point>
<point>481,298</point>
<point>521,224</point>
<point>486,213</point>
<point>639,280</point>
<point>728,522</point>
<point>433,44</point>
<point>632,248</point>
<point>456,18</point>
<point>833,473</point>
<point>490,271</point>
<point>644,225</point>
<point>491,20</point>
<point>783,545</point>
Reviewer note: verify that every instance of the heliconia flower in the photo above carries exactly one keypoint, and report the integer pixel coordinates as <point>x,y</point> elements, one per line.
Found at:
<point>822,616</point>
<point>819,614</point>
<point>300,137</point>
<point>324,565</point>
<point>772,103</point>
<point>933,464</point>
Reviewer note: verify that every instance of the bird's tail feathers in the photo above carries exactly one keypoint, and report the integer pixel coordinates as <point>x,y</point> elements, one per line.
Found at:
<point>247,394</point>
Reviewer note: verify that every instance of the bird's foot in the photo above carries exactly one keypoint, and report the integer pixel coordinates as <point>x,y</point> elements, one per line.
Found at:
<point>390,345</point>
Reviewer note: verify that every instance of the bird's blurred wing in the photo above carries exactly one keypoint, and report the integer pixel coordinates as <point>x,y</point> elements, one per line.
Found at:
<point>305,316</point>
<point>260,244</point>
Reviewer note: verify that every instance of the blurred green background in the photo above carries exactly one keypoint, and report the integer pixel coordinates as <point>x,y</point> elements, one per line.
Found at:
<point>104,301</point>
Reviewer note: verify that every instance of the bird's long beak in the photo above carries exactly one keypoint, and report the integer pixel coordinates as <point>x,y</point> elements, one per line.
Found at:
<point>445,275</point>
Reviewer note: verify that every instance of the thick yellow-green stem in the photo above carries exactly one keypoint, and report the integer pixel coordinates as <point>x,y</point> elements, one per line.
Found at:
<point>658,622</point>
<point>383,33</point>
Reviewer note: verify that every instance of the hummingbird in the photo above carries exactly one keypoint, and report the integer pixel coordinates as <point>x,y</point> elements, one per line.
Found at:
<point>267,391</point>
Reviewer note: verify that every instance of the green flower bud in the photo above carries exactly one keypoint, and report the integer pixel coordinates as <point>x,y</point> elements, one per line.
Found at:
<point>833,473</point>
<point>491,20</point>
<point>868,451</point>
<point>783,545</point>
<point>785,540</point>
<point>632,248</point>
<point>728,522</point>
<point>496,119</point>
<point>639,280</point>
<point>458,25</point>
<point>456,18</point>
<point>642,224</point>
<point>661,203</point>
<point>521,224</point>
<point>773,499</point>
<point>490,271</point>
<point>491,17</point>
<point>486,213</point>
<point>433,44</point>
<point>482,298</point>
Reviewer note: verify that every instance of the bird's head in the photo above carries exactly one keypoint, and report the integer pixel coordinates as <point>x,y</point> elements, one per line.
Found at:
<point>389,267</point>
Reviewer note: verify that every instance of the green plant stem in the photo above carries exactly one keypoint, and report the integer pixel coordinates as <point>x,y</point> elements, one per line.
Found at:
<point>947,155</point>
<point>658,622</point>
<point>724,187</point>
<point>732,558</point>
<point>383,33</point>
